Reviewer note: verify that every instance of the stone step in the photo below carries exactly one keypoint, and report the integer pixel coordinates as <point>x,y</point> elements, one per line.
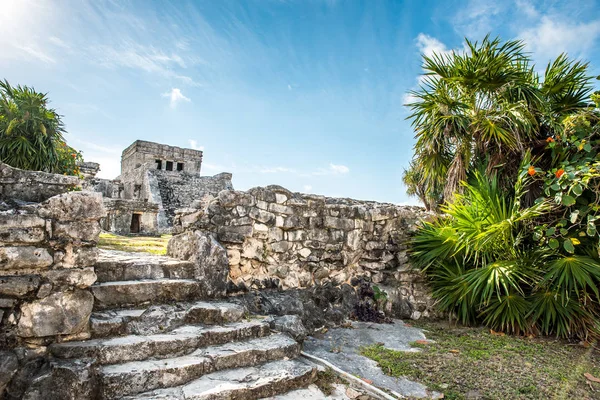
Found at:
<point>135,377</point>
<point>114,266</point>
<point>249,383</point>
<point>124,293</point>
<point>162,318</point>
<point>181,341</point>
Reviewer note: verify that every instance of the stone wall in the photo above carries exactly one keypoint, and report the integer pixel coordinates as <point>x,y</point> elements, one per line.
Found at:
<point>276,238</point>
<point>177,190</point>
<point>47,254</point>
<point>33,186</point>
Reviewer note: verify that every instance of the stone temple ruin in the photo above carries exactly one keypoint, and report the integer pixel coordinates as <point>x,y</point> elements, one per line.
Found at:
<point>79,322</point>
<point>155,180</point>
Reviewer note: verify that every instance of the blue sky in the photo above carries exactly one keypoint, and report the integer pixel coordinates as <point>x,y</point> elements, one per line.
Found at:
<point>307,94</point>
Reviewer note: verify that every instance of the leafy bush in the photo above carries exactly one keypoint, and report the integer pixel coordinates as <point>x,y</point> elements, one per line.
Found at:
<point>484,265</point>
<point>31,134</point>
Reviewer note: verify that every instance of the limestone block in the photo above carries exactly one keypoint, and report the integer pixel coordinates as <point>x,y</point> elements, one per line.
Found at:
<point>263,205</point>
<point>280,198</point>
<point>275,234</point>
<point>374,245</point>
<point>338,223</point>
<point>80,278</point>
<point>25,257</point>
<point>86,231</point>
<point>234,256</point>
<point>60,313</point>
<point>281,209</point>
<point>211,265</point>
<point>280,247</point>
<point>234,234</point>
<point>7,303</point>
<point>24,228</point>
<point>262,216</point>
<point>279,221</point>
<point>295,236</point>
<point>253,249</point>
<point>353,240</point>
<point>242,211</point>
<point>242,221</point>
<point>233,198</point>
<point>73,206</point>
<point>304,252</point>
<point>18,286</point>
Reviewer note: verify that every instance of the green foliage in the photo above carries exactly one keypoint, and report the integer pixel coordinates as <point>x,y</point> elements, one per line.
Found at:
<point>484,107</point>
<point>31,134</point>
<point>484,267</point>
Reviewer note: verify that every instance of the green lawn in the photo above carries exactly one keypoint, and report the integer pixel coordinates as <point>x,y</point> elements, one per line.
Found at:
<point>141,244</point>
<point>474,363</point>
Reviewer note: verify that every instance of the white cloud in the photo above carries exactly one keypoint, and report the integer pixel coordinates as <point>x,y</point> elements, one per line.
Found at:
<point>478,18</point>
<point>194,145</point>
<point>527,7</point>
<point>428,45</point>
<point>338,169</point>
<point>307,188</point>
<point>175,97</point>
<point>334,169</point>
<point>553,36</point>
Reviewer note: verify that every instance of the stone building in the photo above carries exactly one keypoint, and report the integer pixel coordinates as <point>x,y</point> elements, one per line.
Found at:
<point>155,180</point>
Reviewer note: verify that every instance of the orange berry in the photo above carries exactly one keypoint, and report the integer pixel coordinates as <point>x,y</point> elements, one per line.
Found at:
<point>560,173</point>
<point>549,140</point>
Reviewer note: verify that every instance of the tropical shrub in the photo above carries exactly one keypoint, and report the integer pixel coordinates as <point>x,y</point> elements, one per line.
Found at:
<point>484,107</point>
<point>31,133</point>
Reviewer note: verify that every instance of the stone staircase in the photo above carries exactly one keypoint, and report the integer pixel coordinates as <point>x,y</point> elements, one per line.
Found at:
<point>152,339</point>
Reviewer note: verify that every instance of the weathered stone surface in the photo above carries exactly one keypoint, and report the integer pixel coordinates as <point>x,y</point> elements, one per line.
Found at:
<point>18,286</point>
<point>22,228</point>
<point>65,380</point>
<point>123,293</point>
<point>86,231</point>
<point>61,313</point>
<point>134,377</point>
<point>209,258</point>
<point>73,206</point>
<point>33,186</point>
<point>9,364</point>
<point>79,278</point>
<point>24,257</point>
<point>291,324</point>
<point>269,379</point>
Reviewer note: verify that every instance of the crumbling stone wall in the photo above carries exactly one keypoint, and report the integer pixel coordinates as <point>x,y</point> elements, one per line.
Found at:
<point>47,256</point>
<point>276,238</point>
<point>177,190</point>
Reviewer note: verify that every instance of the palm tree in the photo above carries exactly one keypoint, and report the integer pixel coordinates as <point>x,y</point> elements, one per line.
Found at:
<point>486,106</point>
<point>31,134</point>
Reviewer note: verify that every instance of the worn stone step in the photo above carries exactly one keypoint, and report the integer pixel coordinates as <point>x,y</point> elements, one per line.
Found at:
<point>162,318</point>
<point>134,377</point>
<point>115,265</point>
<point>249,383</point>
<point>181,341</point>
<point>123,293</point>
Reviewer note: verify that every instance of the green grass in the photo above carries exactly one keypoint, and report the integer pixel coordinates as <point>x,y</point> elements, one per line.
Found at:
<point>463,362</point>
<point>140,244</point>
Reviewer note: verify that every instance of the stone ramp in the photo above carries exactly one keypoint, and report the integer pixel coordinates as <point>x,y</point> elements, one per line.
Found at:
<point>153,338</point>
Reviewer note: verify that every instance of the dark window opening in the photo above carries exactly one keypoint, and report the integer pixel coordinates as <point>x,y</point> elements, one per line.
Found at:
<point>158,164</point>
<point>179,166</point>
<point>169,166</point>
<point>135,223</point>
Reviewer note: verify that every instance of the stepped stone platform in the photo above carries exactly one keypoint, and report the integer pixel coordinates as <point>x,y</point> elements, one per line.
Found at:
<point>152,338</point>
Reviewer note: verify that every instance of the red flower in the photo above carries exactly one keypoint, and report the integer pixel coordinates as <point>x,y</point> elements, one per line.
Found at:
<point>531,170</point>
<point>560,173</point>
<point>549,140</point>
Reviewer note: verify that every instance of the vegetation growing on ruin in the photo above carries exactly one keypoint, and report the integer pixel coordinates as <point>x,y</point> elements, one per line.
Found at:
<point>31,133</point>
<point>511,161</point>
